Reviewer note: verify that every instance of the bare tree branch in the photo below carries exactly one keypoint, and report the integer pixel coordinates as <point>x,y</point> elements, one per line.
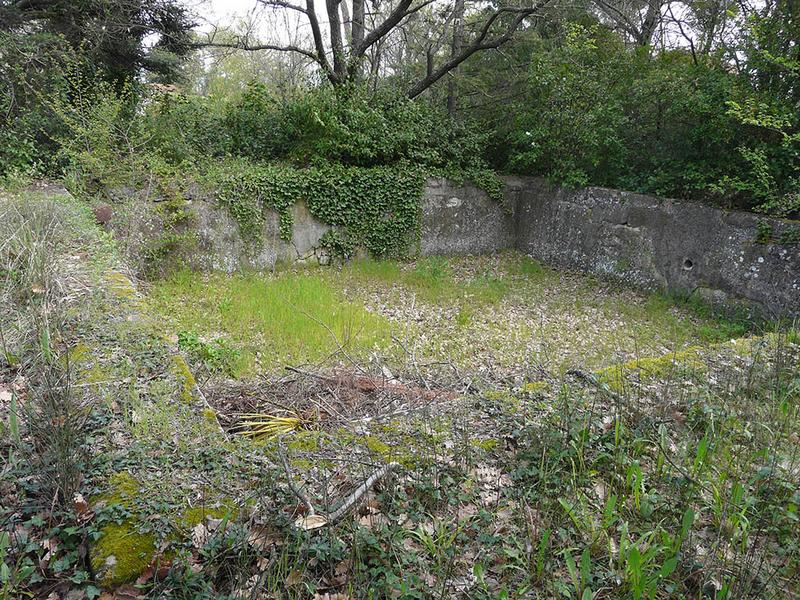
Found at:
<point>479,43</point>
<point>283,4</point>
<point>347,67</point>
<point>243,44</point>
<point>316,33</point>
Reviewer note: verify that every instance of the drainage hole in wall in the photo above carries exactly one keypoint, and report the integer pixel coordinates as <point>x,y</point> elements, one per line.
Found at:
<point>688,264</point>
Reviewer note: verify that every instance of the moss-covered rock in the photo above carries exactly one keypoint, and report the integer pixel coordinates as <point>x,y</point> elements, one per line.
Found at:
<point>123,552</point>
<point>120,286</point>
<point>185,377</point>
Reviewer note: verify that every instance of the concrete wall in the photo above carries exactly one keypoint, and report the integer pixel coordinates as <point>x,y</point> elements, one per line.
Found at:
<point>644,241</point>
<point>456,219</point>
<point>220,246</point>
<point>461,219</point>
<point>655,243</point>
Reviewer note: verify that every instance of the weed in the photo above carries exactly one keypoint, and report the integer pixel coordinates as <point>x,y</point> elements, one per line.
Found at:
<point>217,355</point>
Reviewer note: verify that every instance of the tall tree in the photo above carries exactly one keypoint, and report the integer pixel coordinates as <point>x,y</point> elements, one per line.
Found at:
<point>637,20</point>
<point>456,49</point>
<point>110,34</point>
<point>341,62</point>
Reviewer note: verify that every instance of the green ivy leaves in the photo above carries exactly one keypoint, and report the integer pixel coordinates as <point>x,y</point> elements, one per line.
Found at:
<point>377,208</point>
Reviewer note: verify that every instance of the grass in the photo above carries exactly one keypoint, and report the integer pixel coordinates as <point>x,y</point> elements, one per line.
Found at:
<point>676,483</point>
<point>431,279</point>
<point>290,318</point>
<point>574,493</point>
<point>505,310</point>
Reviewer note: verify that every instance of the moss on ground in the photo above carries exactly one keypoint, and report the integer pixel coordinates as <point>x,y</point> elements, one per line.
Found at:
<point>687,363</point>
<point>123,552</point>
<point>645,370</point>
<point>120,286</point>
<point>198,514</point>
<point>535,388</point>
<point>184,374</point>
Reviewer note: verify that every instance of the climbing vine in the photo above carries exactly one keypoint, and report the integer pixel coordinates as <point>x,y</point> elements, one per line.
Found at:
<point>376,208</point>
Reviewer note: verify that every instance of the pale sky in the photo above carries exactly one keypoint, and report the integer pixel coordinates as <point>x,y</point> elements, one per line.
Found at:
<point>224,10</point>
<point>282,26</point>
<point>271,25</point>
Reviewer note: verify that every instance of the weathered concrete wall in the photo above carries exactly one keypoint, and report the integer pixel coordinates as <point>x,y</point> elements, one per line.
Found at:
<point>648,242</point>
<point>462,219</point>
<point>655,243</point>
<point>220,246</point>
<point>456,219</point>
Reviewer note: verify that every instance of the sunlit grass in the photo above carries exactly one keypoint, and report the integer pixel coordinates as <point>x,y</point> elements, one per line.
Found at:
<point>291,318</point>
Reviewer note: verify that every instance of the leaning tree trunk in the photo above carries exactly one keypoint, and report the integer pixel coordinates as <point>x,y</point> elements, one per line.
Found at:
<point>651,22</point>
<point>455,49</point>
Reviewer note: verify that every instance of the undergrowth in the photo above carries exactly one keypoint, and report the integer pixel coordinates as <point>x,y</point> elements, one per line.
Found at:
<point>432,279</point>
<point>567,489</point>
<point>661,482</point>
<point>247,324</point>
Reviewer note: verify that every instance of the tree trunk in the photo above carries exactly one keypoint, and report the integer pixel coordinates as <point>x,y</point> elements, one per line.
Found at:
<point>337,44</point>
<point>357,37</point>
<point>651,21</point>
<point>455,49</point>
<point>346,22</point>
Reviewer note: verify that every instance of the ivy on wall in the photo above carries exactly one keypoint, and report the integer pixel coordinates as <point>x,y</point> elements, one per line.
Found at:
<point>377,208</point>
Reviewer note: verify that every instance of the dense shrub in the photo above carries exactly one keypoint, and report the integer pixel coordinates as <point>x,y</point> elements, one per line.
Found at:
<point>594,112</point>
<point>351,127</point>
<point>365,129</point>
<point>588,110</point>
<point>30,70</point>
<point>358,160</point>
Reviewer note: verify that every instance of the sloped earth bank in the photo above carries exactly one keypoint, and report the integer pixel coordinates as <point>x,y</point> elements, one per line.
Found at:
<point>482,428</point>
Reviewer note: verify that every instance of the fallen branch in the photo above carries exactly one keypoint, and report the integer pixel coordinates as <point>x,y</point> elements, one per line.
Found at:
<point>309,374</point>
<point>316,520</point>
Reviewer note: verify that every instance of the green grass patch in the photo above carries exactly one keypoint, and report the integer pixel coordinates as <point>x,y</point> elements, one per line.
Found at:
<point>290,318</point>
<point>528,267</point>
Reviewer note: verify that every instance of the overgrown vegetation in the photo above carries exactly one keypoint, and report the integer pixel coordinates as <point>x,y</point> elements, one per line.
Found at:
<point>670,474</point>
<point>713,119</point>
<point>375,208</point>
<point>482,427</point>
<point>491,313</point>
<point>266,321</point>
<point>708,120</point>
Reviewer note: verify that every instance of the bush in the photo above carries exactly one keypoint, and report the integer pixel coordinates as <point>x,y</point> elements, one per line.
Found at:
<point>31,69</point>
<point>360,128</point>
<point>596,113</point>
<point>351,127</point>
